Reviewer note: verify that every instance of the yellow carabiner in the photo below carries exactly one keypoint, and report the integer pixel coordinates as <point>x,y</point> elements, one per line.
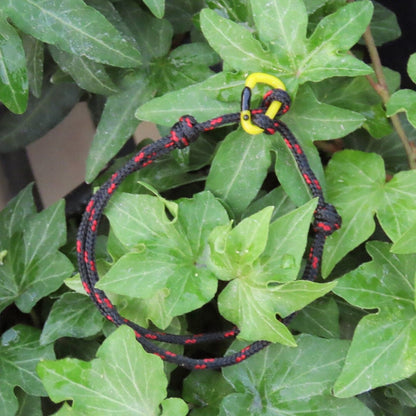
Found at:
<point>251,81</point>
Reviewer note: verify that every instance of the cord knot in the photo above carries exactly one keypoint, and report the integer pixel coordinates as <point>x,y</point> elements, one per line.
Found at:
<point>259,117</point>
<point>265,122</point>
<point>185,131</point>
<point>327,220</point>
<point>277,95</point>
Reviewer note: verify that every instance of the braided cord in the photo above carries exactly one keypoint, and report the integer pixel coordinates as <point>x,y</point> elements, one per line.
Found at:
<point>182,134</point>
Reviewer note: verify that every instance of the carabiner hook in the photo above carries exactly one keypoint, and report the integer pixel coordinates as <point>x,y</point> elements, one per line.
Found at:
<point>251,81</point>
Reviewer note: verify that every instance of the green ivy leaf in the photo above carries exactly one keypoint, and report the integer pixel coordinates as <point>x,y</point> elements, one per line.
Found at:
<point>403,100</point>
<point>186,64</point>
<point>337,32</point>
<point>406,244</point>
<point>404,392</point>
<point>239,168</point>
<point>126,278</point>
<point>236,10</point>
<point>197,217</point>
<point>253,308</point>
<point>132,382</point>
<point>153,36</point>
<point>33,266</point>
<point>173,253</point>
<point>169,69</point>
<point>182,12</point>
<point>282,256</point>
<point>13,71</point>
<point>233,249</point>
<point>257,256</point>
<point>157,7</point>
<point>89,75</point>
<point>137,218</point>
<point>141,312</point>
<point>376,357</point>
<point>235,44</point>
<point>28,405</point>
<point>398,212</point>
<point>174,406</point>
<point>384,25</point>
<point>353,93</point>
<point>41,116</point>
<point>377,401</point>
<point>201,100</point>
<point>358,95</point>
<point>377,123</point>
<point>76,28</point>
<point>286,41</point>
<point>20,351</point>
<point>278,198</point>
<point>320,318</point>
<point>297,381</point>
<point>108,9</point>
<point>389,147</point>
<point>72,315</point>
<point>34,51</point>
<point>357,187</point>
<point>248,239</point>
<point>45,232</point>
<point>313,5</point>
<point>204,390</point>
<point>117,123</point>
<point>308,115</point>
<point>411,67</point>
<point>291,54</point>
<point>13,216</point>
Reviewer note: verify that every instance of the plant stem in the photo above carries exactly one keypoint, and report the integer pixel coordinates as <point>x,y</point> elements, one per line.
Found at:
<point>380,86</point>
<point>35,319</point>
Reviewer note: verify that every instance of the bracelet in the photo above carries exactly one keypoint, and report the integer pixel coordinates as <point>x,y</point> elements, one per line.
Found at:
<point>260,120</point>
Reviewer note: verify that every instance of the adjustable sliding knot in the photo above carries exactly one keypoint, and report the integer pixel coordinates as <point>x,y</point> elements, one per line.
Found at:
<point>280,96</point>
<point>264,122</point>
<point>261,118</point>
<point>327,220</point>
<point>185,131</point>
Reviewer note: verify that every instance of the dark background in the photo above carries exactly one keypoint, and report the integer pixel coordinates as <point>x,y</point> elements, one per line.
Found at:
<point>395,54</point>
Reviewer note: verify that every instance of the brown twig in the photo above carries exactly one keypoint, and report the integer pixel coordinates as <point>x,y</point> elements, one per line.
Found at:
<point>380,86</point>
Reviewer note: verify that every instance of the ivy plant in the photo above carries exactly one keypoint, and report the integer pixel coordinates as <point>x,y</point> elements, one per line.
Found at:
<point>214,235</point>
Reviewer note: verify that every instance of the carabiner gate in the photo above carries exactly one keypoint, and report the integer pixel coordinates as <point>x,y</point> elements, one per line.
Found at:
<point>251,81</point>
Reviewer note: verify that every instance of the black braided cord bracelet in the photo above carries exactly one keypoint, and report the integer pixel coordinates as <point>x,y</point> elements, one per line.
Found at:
<point>182,134</point>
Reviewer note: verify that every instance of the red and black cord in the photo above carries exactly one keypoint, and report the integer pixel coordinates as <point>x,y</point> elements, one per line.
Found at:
<point>182,134</point>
